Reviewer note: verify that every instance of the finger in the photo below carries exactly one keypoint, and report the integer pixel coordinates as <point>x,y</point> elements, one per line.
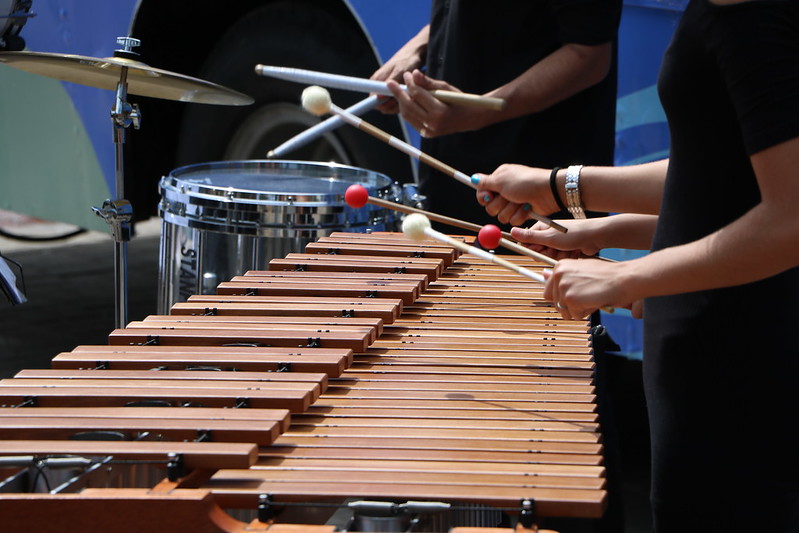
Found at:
<point>507,212</point>
<point>521,215</point>
<point>421,96</point>
<point>387,105</point>
<point>484,197</point>
<point>496,205</point>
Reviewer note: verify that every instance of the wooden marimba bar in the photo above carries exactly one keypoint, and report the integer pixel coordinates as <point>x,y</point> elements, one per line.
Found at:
<point>368,368</point>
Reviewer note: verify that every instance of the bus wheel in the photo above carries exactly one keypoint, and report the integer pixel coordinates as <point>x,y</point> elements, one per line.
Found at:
<point>291,34</point>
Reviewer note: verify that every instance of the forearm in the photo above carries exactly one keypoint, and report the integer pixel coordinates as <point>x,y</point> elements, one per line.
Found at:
<point>758,245</point>
<point>625,189</point>
<point>628,231</point>
<point>559,76</point>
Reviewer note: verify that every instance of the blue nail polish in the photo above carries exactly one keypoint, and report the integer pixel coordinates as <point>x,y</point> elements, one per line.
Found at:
<point>487,198</point>
<point>526,207</point>
<point>475,179</point>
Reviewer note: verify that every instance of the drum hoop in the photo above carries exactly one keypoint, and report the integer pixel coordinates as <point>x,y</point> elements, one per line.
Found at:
<point>175,182</point>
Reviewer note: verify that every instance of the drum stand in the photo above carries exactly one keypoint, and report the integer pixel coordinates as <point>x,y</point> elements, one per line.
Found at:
<point>119,213</point>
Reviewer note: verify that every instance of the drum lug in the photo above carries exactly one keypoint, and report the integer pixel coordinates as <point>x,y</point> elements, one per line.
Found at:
<point>411,196</point>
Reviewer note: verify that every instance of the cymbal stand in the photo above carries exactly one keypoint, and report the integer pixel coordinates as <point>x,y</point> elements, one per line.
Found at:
<point>119,213</point>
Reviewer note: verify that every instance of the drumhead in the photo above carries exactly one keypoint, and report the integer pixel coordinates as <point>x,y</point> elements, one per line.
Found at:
<point>251,196</point>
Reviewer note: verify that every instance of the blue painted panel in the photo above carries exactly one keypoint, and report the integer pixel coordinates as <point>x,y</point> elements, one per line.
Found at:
<point>88,28</point>
<point>390,24</point>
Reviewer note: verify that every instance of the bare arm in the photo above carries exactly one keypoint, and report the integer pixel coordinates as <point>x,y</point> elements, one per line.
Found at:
<point>761,243</point>
<point>630,189</point>
<point>567,71</point>
<point>589,236</point>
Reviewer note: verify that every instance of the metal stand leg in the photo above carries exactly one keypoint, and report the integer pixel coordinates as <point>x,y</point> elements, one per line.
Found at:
<point>119,213</point>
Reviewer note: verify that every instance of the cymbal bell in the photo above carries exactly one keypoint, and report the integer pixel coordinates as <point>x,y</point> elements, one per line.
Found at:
<point>142,79</point>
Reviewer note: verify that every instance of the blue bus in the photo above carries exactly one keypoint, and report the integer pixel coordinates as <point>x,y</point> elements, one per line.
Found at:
<point>57,155</point>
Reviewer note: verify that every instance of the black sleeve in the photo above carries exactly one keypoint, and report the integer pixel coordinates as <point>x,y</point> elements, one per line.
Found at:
<point>758,57</point>
<point>588,22</point>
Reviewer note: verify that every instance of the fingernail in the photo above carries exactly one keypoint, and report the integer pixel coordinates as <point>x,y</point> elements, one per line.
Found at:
<point>475,179</point>
<point>526,207</point>
<point>487,198</point>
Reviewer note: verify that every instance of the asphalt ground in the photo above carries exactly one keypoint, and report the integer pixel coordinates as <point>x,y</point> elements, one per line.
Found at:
<point>69,285</point>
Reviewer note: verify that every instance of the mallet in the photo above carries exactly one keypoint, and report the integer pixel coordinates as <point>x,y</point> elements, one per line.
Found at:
<point>316,100</point>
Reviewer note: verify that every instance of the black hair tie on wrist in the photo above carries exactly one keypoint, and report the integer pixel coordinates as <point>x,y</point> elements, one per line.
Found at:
<point>554,186</point>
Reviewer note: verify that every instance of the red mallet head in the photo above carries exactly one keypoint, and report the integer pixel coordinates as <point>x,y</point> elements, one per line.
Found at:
<point>356,196</point>
<point>489,236</point>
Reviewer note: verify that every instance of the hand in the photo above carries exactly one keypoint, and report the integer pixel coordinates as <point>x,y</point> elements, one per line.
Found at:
<point>407,59</point>
<point>512,190</point>
<point>427,114</point>
<point>580,287</point>
<point>393,71</point>
<point>577,242</point>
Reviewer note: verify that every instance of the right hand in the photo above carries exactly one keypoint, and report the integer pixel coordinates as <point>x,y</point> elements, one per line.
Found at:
<point>512,190</point>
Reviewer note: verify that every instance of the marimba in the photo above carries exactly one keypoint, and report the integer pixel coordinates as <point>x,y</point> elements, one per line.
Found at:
<point>367,380</point>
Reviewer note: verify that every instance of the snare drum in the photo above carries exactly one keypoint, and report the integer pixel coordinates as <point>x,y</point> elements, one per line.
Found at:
<point>224,218</point>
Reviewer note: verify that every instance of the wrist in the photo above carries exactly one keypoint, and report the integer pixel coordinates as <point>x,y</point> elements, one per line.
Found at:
<point>574,201</point>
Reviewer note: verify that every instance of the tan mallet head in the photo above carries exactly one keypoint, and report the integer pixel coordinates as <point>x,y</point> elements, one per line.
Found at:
<point>316,100</point>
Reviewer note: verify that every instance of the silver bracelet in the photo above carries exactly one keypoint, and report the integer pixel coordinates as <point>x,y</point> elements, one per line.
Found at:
<point>573,201</point>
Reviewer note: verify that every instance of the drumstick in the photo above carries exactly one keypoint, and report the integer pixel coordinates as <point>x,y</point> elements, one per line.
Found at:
<point>357,196</point>
<point>351,83</point>
<point>312,133</point>
<point>316,100</point>
<point>417,226</point>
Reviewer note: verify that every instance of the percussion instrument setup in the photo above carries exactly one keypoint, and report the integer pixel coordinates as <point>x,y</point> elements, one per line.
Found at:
<point>397,380</point>
<point>309,370</point>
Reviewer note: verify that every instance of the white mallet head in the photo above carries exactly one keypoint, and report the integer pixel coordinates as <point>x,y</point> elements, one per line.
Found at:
<point>316,100</point>
<point>414,226</point>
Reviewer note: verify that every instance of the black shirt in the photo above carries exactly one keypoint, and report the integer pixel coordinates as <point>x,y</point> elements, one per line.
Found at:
<point>721,367</point>
<point>478,46</point>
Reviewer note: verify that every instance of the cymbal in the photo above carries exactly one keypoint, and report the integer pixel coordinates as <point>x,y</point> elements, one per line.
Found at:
<point>142,79</point>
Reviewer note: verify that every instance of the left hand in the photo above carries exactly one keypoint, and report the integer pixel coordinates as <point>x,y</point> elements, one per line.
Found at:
<point>427,114</point>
